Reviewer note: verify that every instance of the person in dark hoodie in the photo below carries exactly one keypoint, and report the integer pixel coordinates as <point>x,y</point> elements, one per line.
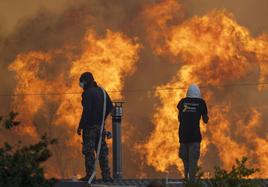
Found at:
<point>190,110</point>
<point>90,125</point>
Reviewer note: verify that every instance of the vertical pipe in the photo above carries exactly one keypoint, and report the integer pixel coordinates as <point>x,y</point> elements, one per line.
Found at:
<point>117,147</point>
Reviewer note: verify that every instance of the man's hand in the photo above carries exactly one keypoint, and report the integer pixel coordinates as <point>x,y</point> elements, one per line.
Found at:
<point>79,131</point>
<point>109,134</point>
<point>205,119</point>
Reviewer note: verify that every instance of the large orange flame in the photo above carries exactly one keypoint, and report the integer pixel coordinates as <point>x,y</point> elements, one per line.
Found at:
<point>213,50</point>
<point>110,59</point>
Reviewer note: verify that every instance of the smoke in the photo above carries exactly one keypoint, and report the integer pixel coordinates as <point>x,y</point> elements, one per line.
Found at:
<point>248,13</point>
<point>214,50</point>
<point>47,31</point>
<point>51,38</point>
<point>15,11</point>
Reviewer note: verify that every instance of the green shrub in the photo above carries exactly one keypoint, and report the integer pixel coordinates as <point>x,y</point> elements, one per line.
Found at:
<point>20,166</point>
<point>237,177</point>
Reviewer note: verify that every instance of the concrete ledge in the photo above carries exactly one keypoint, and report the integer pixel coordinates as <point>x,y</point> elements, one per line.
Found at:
<point>132,183</point>
<point>70,183</point>
<point>84,184</point>
<point>119,183</point>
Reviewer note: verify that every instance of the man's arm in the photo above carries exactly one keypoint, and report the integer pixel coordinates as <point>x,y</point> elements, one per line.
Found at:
<point>109,105</point>
<point>179,109</point>
<point>205,113</point>
<point>86,102</point>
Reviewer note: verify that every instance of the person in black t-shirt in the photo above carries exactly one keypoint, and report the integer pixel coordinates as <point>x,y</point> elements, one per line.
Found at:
<point>191,109</point>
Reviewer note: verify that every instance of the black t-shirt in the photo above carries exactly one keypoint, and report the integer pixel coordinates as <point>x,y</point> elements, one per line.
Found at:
<point>190,112</point>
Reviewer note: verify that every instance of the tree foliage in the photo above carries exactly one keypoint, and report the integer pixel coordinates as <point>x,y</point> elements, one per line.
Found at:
<point>238,176</point>
<point>20,166</point>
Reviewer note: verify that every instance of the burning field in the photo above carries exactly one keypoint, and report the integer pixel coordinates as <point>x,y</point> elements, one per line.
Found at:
<point>145,53</point>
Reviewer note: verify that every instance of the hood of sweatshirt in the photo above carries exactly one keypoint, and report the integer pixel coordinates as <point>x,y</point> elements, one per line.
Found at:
<point>193,91</point>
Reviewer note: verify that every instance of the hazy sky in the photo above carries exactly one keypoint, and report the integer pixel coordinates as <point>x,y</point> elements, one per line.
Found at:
<point>56,30</point>
<point>12,11</point>
<point>250,13</point>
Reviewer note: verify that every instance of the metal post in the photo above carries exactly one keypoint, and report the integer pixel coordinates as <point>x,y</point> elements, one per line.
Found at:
<point>117,147</point>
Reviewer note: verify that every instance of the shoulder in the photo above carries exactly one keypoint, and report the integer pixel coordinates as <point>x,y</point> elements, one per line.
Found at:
<point>203,102</point>
<point>181,102</point>
<point>88,92</point>
<point>100,89</point>
<point>185,98</point>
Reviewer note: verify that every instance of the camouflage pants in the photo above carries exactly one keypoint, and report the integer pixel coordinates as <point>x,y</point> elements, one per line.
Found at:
<point>190,153</point>
<point>90,146</point>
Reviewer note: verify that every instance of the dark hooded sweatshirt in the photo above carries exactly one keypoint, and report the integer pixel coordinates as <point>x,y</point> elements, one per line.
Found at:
<point>191,109</point>
<point>92,102</point>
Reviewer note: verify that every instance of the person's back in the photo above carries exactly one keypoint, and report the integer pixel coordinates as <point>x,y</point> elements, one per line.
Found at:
<point>92,101</point>
<point>191,109</point>
<point>190,112</point>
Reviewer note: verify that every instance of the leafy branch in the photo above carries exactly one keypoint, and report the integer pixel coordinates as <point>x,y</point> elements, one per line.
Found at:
<point>21,166</point>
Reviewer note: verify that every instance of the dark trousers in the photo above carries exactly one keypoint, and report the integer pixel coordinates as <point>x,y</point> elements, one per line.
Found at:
<point>90,146</point>
<point>190,153</point>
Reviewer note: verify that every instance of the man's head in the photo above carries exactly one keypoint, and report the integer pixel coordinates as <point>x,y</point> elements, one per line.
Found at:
<point>87,80</point>
<point>193,91</point>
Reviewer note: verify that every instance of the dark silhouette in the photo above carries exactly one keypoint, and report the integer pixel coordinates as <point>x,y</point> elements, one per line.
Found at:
<point>191,109</point>
<point>90,125</point>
